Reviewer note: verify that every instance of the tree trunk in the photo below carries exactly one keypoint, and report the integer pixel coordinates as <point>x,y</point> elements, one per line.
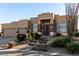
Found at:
<point>54,26</point>
<point>71,18</point>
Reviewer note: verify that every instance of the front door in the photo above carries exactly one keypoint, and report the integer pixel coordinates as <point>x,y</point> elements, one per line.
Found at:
<point>46,30</point>
<point>45,27</point>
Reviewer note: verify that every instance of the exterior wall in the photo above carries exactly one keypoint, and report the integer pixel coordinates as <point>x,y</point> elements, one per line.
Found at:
<point>46,16</point>
<point>43,16</point>
<point>35,23</point>
<point>0,28</point>
<point>23,30</point>
<point>10,29</point>
<point>17,24</point>
<point>61,27</point>
<point>60,19</point>
<point>61,24</point>
<point>10,32</point>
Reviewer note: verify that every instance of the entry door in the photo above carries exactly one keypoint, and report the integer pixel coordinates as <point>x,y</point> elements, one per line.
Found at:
<point>47,30</point>
<point>45,27</point>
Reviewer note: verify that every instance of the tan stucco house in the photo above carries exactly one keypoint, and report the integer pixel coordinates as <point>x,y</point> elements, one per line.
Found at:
<point>43,23</point>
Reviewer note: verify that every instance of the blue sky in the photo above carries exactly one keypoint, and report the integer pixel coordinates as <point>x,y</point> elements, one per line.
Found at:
<point>15,11</point>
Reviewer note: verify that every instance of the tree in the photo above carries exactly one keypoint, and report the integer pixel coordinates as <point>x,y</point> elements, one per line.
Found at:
<point>54,25</point>
<point>71,18</point>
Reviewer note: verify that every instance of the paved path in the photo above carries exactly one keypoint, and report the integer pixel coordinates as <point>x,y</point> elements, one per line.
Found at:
<point>4,40</point>
<point>28,52</point>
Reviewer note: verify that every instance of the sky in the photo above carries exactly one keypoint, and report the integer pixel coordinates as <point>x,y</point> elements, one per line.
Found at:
<point>10,12</point>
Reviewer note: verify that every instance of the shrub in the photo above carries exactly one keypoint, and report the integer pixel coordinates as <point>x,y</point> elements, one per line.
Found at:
<point>73,47</point>
<point>37,36</point>
<point>67,40</point>
<point>30,36</point>
<point>61,42</point>
<point>76,34</point>
<point>21,37</point>
<point>33,36</point>
<point>58,34</point>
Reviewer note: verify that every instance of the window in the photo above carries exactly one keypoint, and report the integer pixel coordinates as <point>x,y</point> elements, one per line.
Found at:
<point>62,27</point>
<point>34,26</point>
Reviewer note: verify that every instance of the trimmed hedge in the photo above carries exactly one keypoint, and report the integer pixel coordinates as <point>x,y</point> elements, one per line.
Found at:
<point>73,47</point>
<point>61,42</point>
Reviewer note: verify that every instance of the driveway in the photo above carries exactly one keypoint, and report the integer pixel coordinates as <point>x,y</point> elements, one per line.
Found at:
<point>4,40</point>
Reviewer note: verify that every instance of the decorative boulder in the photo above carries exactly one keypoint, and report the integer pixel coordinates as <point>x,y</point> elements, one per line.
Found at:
<point>11,44</point>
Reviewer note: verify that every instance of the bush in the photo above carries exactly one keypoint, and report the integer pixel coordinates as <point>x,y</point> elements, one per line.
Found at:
<point>37,36</point>
<point>33,36</point>
<point>61,42</point>
<point>76,34</point>
<point>58,34</point>
<point>21,37</point>
<point>67,40</point>
<point>73,47</point>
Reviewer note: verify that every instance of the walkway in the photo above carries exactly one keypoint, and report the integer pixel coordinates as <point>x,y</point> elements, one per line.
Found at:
<point>25,50</point>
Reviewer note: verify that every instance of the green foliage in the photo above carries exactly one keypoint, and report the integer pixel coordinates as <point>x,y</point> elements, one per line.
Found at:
<point>76,34</point>
<point>37,36</point>
<point>21,37</point>
<point>61,42</point>
<point>73,47</point>
<point>67,40</point>
<point>58,34</point>
<point>30,36</point>
<point>33,36</point>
